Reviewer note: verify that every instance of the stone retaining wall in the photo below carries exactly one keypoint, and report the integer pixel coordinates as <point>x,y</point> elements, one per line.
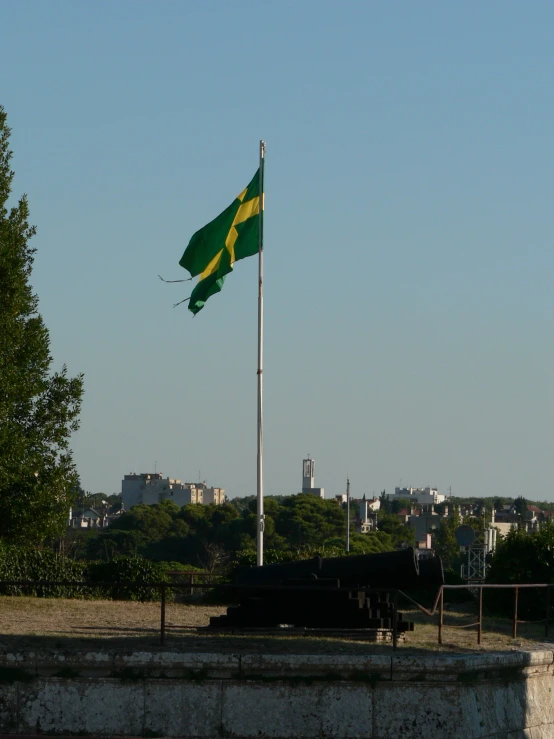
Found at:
<point>470,696</point>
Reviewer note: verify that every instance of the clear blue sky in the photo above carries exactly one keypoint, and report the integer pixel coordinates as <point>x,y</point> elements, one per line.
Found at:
<point>409,223</point>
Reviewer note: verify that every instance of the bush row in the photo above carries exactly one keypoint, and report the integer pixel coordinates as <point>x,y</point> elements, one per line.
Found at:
<point>19,563</point>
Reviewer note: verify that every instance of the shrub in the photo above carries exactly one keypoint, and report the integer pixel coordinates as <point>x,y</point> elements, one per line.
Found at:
<point>25,563</point>
<point>128,569</point>
<point>522,558</point>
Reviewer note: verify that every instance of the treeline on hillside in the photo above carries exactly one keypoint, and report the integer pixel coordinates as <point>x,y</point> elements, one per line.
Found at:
<point>210,535</point>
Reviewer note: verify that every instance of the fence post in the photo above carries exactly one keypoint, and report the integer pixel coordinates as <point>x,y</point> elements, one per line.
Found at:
<point>514,625</point>
<point>547,610</point>
<point>162,616</point>
<point>191,589</point>
<point>441,606</point>
<point>480,626</point>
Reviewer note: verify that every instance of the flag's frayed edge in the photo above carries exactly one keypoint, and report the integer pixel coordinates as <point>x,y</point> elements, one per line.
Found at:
<point>181,301</point>
<point>187,280</point>
<point>168,281</point>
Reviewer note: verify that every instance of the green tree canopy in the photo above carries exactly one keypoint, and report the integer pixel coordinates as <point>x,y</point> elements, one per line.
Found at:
<point>38,410</point>
<point>399,533</point>
<point>521,505</point>
<point>193,533</point>
<point>522,557</point>
<point>446,545</point>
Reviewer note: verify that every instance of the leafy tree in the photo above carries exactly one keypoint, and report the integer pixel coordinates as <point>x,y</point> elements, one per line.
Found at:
<point>399,533</point>
<point>445,542</point>
<point>522,557</point>
<point>114,501</point>
<point>305,519</point>
<point>520,505</point>
<point>74,543</point>
<point>399,504</point>
<point>385,503</point>
<point>210,535</point>
<point>38,411</point>
<point>374,541</point>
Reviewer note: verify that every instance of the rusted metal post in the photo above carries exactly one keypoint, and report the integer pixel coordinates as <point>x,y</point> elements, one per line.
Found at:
<point>395,621</point>
<point>547,610</point>
<point>514,625</point>
<point>441,613</point>
<point>480,625</point>
<point>162,616</point>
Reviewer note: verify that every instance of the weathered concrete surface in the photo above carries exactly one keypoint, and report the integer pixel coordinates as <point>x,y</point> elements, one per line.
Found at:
<point>165,694</point>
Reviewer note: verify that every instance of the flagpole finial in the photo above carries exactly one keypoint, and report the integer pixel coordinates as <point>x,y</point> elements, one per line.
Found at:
<point>262,148</point>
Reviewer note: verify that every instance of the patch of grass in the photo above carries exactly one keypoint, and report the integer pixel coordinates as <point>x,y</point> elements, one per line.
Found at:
<point>47,623</point>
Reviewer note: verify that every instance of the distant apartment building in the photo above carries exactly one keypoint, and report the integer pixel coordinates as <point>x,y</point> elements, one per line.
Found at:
<point>423,496</point>
<point>213,495</point>
<point>149,488</point>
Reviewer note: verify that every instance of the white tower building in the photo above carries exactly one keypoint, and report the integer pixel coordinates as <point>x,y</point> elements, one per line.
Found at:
<point>308,478</point>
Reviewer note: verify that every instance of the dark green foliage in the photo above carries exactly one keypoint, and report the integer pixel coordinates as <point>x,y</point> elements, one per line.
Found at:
<point>385,503</point>
<point>247,557</point>
<point>178,567</point>
<point>522,558</point>
<point>21,563</point>
<point>374,541</point>
<point>445,542</point>
<point>399,504</point>
<point>307,520</point>
<point>210,536</point>
<point>359,544</point>
<point>128,569</point>
<point>38,410</point>
<point>25,563</point>
<point>399,533</point>
<point>75,543</point>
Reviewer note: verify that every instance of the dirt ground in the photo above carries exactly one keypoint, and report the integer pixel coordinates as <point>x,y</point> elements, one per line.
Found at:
<point>27,622</point>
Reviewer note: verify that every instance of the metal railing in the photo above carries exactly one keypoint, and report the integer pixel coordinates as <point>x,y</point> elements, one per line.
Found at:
<point>192,585</point>
<point>439,601</point>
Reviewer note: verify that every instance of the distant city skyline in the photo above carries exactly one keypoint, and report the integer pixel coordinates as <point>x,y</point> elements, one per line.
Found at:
<point>391,490</point>
<point>408,235</point>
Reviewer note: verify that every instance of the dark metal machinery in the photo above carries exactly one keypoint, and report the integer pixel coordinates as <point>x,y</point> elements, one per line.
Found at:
<point>353,592</point>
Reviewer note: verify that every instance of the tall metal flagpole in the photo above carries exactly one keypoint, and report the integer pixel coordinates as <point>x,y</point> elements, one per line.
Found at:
<point>260,475</point>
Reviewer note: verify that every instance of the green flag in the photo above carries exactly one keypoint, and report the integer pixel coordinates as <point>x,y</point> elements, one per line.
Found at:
<point>214,249</point>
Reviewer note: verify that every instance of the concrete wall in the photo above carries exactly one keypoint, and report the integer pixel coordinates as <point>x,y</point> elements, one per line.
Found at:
<point>167,694</point>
